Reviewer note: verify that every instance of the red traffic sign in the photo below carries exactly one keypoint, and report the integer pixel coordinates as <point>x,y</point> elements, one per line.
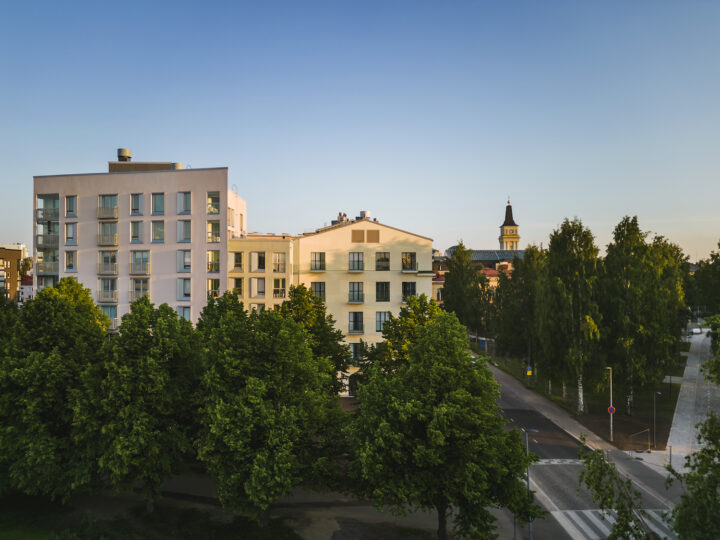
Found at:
<point>611,409</point>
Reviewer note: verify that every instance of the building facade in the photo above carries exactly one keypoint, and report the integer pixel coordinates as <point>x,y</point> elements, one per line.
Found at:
<point>10,260</point>
<point>161,232</point>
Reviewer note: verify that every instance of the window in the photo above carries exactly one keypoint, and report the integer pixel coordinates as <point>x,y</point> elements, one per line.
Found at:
<point>136,204</point>
<point>238,289</point>
<point>140,262</point>
<point>238,261</point>
<point>158,231</point>
<point>355,322</point>
<point>279,288</point>
<point>136,232</point>
<point>279,262</point>
<point>213,288</point>
<point>355,292</point>
<point>183,291</point>
<point>358,236</point>
<point>257,287</point>
<point>184,312</point>
<point>107,290</point>
<point>257,307</point>
<point>158,204</point>
<point>139,287</point>
<point>108,233</point>
<point>373,237</point>
<point>213,260</point>
<point>381,317</point>
<point>317,261</point>
<point>257,261</point>
<point>213,202</point>
<point>71,234</point>
<point>183,202</point>
<point>70,261</point>
<point>71,206</point>
<point>183,230</point>
<point>355,351</point>
<point>382,260</point>
<point>213,231</point>
<point>107,262</point>
<point>382,291</point>
<point>184,263</point>
<point>110,312</point>
<point>408,289</point>
<point>408,261</point>
<point>355,261</point>
<point>108,206</point>
<point>318,289</point>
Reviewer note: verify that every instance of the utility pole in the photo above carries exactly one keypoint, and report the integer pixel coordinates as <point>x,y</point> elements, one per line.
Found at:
<point>611,409</point>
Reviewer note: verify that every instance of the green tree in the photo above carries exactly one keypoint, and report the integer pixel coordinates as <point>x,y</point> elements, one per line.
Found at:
<point>707,284</point>
<point>265,408</point>
<point>324,339</point>
<point>461,292</point>
<point>142,410</point>
<point>26,265</point>
<point>612,492</point>
<point>570,301</point>
<point>58,334</point>
<point>517,308</point>
<point>429,435</point>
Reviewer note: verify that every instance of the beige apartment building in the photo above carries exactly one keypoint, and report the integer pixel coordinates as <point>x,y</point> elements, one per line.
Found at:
<point>144,228</point>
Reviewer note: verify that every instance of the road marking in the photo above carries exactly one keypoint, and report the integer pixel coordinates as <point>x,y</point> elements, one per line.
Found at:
<point>652,520</point>
<point>548,503</point>
<point>598,522</point>
<point>589,533</point>
<point>567,525</point>
<point>559,461</point>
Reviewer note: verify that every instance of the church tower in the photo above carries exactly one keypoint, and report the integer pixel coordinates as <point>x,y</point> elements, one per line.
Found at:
<point>509,237</point>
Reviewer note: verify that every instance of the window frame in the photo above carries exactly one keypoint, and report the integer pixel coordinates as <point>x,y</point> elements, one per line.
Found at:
<point>160,196</point>
<point>155,223</point>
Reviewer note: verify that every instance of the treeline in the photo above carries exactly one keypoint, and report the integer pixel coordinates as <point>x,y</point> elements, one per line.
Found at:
<point>570,312</point>
<point>252,398</point>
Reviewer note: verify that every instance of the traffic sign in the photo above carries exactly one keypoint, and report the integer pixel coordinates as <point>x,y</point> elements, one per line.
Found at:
<point>611,409</point>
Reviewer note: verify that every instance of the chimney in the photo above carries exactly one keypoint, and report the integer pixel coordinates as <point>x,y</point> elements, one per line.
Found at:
<point>124,154</point>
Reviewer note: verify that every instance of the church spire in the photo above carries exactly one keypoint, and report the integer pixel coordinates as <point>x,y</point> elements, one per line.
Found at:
<point>509,221</point>
<point>509,236</point>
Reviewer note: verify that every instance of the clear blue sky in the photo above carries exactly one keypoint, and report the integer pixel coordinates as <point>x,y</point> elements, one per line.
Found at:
<point>428,114</point>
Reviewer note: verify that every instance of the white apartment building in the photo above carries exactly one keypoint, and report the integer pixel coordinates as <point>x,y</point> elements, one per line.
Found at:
<point>144,228</point>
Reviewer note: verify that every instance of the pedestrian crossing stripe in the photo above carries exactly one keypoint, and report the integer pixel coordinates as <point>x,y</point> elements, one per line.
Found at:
<point>559,462</point>
<point>594,524</point>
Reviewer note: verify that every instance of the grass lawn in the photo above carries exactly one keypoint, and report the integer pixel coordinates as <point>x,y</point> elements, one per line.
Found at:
<point>30,518</point>
<point>626,429</point>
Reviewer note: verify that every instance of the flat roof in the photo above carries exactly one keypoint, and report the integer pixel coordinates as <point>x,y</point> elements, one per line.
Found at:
<point>174,171</point>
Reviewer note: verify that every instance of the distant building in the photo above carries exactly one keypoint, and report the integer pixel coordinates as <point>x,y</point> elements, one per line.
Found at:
<point>22,247</point>
<point>10,260</point>
<point>143,228</point>
<point>26,289</point>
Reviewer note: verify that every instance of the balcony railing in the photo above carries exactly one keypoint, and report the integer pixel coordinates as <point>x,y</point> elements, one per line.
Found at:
<point>107,239</point>
<point>279,268</point>
<point>107,269</point>
<point>47,268</point>
<point>114,325</point>
<point>278,293</point>
<point>213,267</point>
<point>47,214</point>
<point>409,266</point>
<point>134,295</point>
<point>213,293</point>
<point>356,266</point>
<point>356,298</point>
<point>213,237</point>
<point>107,296</point>
<point>317,266</point>
<point>356,328</point>
<point>47,241</point>
<point>139,268</point>
<point>107,212</point>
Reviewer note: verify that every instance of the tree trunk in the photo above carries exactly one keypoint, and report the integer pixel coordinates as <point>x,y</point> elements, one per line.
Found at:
<point>629,397</point>
<point>581,395</point>
<point>549,387</point>
<point>564,390</point>
<point>442,521</point>
<point>150,506</point>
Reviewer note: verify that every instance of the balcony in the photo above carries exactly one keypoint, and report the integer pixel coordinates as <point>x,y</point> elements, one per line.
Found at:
<point>409,267</point>
<point>356,298</point>
<point>213,293</point>
<point>107,296</point>
<point>107,269</point>
<point>317,266</point>
<point>213,237</point>
<point>356,266</point>
<point>278,293</point>
<point>44,241</point>
<point>141,268</point>
<point>107,212</point>
<point>47,214</point>
<point>356,328</point>
<point>114,325</point>
<point>213,267</point>
<point>47,268</point>
<point>107,239</point>
<point>134,295</point>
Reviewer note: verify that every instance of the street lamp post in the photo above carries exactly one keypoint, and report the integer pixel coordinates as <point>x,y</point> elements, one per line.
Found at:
<point>655,395</point>
<point>611,405</point>
<point>527,453</point>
